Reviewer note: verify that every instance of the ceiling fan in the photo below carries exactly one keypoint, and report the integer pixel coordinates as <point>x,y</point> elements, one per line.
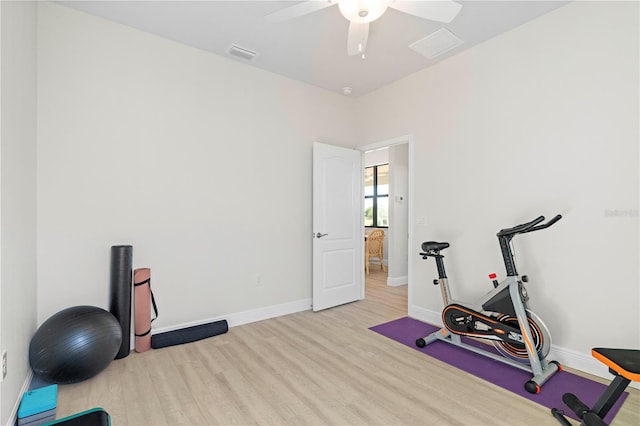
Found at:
<point>360,13</point>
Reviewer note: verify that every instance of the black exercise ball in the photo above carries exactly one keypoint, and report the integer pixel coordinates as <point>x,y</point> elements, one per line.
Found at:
<point>75,344</point>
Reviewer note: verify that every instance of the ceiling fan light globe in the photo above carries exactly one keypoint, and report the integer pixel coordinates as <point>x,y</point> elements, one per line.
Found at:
<point>363,11</point>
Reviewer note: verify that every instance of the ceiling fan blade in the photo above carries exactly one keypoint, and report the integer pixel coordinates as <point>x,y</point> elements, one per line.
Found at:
<point>357,38</point>
<point>300,9</point>
<point>434,10</point>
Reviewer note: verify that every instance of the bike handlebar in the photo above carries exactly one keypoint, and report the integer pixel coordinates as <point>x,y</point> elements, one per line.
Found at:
<point>546,225</point>
<point>529,226</point>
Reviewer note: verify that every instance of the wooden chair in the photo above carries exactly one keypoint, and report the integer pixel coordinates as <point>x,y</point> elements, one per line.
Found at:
<point>374,248</point>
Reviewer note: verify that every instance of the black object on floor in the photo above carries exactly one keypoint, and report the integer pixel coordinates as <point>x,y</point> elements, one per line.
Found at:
<point>75,344</point>
<point>120,293</point>
<point>624,364</point>
<point>93,417</point>
<point>189,334</point>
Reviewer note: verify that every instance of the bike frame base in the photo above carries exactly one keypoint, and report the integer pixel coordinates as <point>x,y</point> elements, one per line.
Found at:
<point>546,370</point>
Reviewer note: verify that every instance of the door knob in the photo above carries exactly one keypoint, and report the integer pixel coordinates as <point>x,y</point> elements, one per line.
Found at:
<point>320,235</point>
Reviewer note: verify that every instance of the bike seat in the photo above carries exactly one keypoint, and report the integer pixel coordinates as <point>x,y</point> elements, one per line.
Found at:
<point>625,362</point>
<point>434,246</point>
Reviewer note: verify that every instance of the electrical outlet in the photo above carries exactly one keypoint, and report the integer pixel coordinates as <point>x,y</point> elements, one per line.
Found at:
<point>4,364</point>
<point>259,279</point>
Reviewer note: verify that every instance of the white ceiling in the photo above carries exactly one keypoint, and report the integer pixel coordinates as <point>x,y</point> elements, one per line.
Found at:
<point>313,48</point>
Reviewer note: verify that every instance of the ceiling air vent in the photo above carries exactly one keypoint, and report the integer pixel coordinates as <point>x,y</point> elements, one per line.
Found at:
<point>437,43</point>
<point>242,52</point>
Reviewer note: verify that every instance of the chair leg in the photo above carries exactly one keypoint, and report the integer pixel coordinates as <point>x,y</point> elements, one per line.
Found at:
<point>384,268</point>
<point>366,264</point>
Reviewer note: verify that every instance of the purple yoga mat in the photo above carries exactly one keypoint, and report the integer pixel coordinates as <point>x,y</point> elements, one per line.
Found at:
<point>408,330</point>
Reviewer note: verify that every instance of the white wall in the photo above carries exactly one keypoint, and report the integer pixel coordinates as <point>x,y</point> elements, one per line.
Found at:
<point>538,121</point>
<point>376,157</point>
<point>17,196</point>
<point>202,163</point>
<point>398,214</point>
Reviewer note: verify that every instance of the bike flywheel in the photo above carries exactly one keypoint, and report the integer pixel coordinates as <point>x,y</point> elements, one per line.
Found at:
<point>518,352</point>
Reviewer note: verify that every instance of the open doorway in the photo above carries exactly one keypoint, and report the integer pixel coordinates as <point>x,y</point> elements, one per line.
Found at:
<point>390,162</point>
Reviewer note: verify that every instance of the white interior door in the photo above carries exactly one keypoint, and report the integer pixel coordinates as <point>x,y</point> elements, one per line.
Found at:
<point>338,233</point>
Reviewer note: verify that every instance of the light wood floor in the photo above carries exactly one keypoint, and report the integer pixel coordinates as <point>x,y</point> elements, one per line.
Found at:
<point>321,368</point>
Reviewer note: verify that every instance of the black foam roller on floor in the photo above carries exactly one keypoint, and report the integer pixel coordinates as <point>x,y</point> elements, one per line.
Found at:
<point>120,293</point>
<point>189,334</point>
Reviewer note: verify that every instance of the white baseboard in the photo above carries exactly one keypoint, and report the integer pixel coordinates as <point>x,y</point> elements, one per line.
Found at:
<point>579,361</point>
<point>426,315</point>
<point>250,316</point>
<point>268,312</point>
<point>566,357</point>
<point>583,362</point>
<point>397,281</point>
<point>13,417</point>
<point>233,320</point>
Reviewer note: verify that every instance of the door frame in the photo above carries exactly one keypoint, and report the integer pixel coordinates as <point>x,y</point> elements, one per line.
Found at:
<point>408,139</point>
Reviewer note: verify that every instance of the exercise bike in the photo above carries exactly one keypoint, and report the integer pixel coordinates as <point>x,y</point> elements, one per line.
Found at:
<point>501,316</point>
